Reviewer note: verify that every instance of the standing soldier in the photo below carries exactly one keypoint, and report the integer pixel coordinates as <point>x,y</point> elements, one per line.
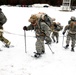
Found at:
<point>56,27</point>
<point>71,35</point>
<point>42,32</point>
<point>3,20</point>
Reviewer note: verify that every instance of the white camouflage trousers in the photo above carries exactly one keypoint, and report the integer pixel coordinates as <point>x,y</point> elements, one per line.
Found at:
<point>40,44</point>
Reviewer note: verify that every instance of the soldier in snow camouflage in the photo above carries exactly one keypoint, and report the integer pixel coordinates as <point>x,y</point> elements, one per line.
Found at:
<point>56,27</point>
<point>71,28</point>
<point>3,20</point>
<point>72,19</point>
<point>42,32</point>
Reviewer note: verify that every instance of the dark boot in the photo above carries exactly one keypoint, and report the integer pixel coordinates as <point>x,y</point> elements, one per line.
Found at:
<point>57,42</point>
<point>54,40</point>
<point>72,49</point>
<point>7,44</point>
<point>66,46</point>
<point>37,55</point>
<point>43,52</point>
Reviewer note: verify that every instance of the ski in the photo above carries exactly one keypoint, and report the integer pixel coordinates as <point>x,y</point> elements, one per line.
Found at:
<point>11,46</point>
<point>65,47</point>
<point>34,56</point>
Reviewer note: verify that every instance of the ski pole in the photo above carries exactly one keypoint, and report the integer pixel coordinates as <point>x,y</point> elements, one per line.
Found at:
<point>25,40</point>
<point>50,48</point>
<point>63,41</point>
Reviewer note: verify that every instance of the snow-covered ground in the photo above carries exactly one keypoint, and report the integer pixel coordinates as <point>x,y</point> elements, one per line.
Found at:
<point>14,60</point>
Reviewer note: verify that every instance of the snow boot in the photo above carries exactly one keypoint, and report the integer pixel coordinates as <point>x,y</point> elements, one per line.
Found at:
<point>57,42</point>
<point>37,55</point>
<point>72,49</point>
<point>42,52</point>
<point>66,46</point>
<point>53,40</point>
<point>7,44</point>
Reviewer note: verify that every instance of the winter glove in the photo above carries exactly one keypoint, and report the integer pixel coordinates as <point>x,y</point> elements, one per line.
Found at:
<point>63,33</point>
<point>55,25</point>
<point>24,28</point>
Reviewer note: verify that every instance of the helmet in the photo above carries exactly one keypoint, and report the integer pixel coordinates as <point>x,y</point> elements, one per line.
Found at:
<point>72,18</point>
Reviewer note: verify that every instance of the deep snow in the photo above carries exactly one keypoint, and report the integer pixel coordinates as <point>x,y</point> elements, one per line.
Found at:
<point>14,60</point>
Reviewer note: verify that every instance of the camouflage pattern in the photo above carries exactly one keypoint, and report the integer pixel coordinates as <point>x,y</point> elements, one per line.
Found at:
<point>3,39</point>
<point>3,20</point>
<point>42,30</point>
<point>56,27</point>
<point>71,35</point>
<point>43,17</point>
<point>40,44</point>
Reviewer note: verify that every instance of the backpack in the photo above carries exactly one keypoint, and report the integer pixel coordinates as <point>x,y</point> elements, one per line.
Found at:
<point>47,20</point>
<point>3,18</point>
<point>43,17</point>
